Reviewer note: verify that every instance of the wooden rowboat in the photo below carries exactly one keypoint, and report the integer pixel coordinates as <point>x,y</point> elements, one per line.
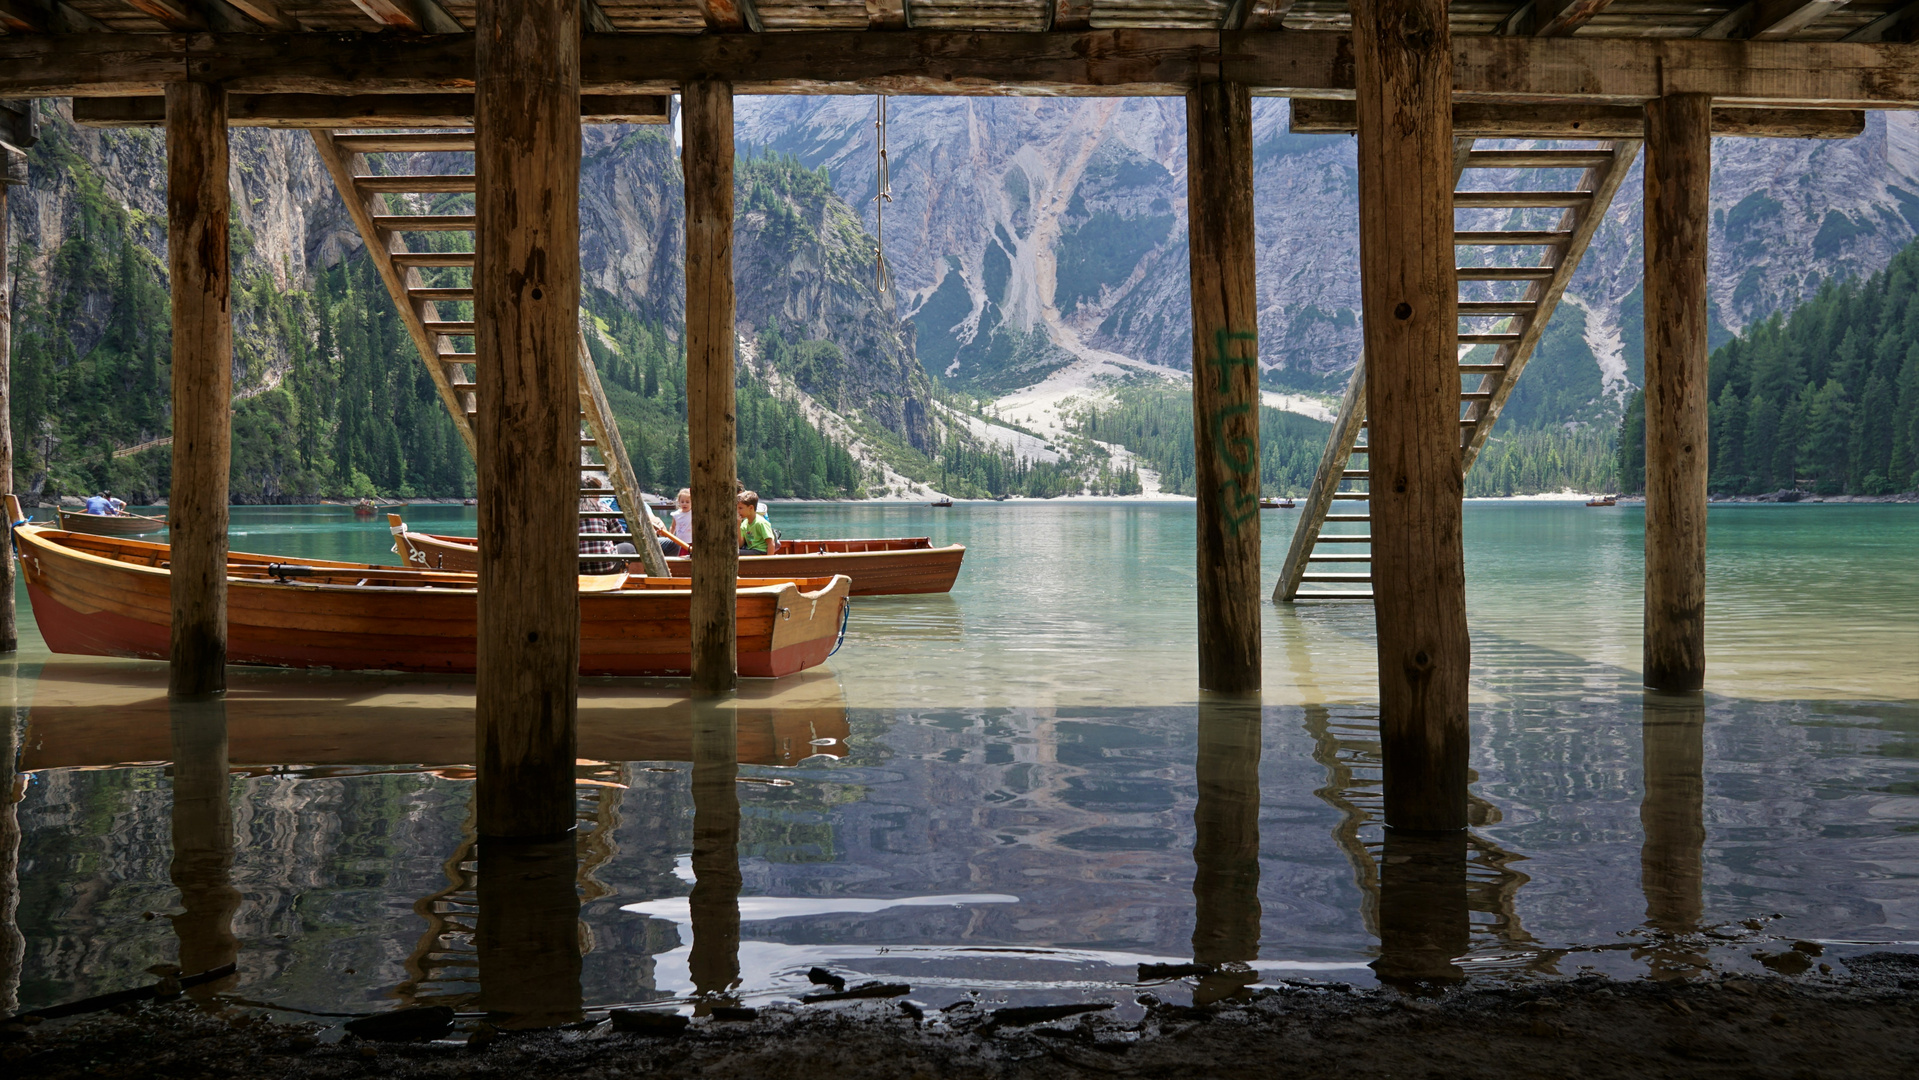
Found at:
<point>1603,500</point>
<point>111,525</point>
<point>105,596</point>
<point>879,567</point>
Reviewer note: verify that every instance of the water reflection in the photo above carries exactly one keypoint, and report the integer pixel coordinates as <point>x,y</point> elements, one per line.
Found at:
<point>13,944</point>
<point>1226,846</point>
<point>1425,922</point>
<point>715,956</point>
<point>202,866</point>
<point>528,944</point>
<point>1672,814</point>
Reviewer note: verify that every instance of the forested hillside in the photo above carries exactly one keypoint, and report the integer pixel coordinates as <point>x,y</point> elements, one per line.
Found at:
<point>1825,400</point>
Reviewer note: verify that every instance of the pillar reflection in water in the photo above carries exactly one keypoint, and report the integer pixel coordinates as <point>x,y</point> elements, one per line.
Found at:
<point>715,955</point>
<point>13,945</point>
<point>1424,925</point>
<point>1671,860</point>
<point>1226,846</point>
<point>202,867</point>
<point>527,932</point>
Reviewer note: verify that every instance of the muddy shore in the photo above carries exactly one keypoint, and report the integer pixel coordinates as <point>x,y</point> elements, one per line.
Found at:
<point>1860,1025</point>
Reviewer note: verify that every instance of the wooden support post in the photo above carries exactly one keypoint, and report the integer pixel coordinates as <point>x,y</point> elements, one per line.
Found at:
<point>13,944</point>
<point>714,959</point>
<point>1672,818</point>
<point>202,866</point>
<point>706,124</point>
<point>1403,68</point>
<point>201,283</point>
<point>9,631</point>
<point>1219,198</point>
<point>528,932</point>
<point>526,302</point>
<point>1226,909</point>
<point>1678,212</point>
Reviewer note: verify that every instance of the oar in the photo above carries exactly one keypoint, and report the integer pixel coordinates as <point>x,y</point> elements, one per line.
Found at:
<point>667,533</point>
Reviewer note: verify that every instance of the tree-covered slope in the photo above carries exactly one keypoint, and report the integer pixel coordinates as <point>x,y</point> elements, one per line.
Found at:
<point>1824,400</point>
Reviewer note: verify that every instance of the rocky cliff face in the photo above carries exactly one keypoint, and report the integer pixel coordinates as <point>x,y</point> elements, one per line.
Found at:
<point>800,252</point>
<point>1068,216</point>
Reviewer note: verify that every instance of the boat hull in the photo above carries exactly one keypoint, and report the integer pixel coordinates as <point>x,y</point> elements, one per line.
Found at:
<point>90,605</point>
<point>116,525</point>
<point>882,572</point>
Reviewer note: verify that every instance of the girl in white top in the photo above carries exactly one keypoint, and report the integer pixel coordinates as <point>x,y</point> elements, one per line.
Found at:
<point>683,519</point>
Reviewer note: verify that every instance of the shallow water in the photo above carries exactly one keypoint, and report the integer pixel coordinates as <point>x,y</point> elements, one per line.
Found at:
<point>1014,791</point>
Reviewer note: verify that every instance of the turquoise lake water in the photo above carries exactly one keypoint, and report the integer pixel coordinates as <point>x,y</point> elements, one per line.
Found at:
<point>995,792</point>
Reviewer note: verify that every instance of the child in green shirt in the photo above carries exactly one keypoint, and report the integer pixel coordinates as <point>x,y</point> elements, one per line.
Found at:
<point>756,536</point>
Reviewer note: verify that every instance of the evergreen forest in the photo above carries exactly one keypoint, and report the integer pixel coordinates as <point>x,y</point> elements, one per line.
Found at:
<point>1824,401</point>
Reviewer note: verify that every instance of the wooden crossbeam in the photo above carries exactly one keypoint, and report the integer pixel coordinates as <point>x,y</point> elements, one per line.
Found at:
<point>1509,70</point>
<point>331,111</point>
<point>413,16</point>
<point>731,16</point>
<point>1783,18</point>
<point>1559,18</point>
<point>1318,116</point>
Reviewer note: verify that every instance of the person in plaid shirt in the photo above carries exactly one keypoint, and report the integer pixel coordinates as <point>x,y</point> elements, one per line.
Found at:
<point>590,523</point>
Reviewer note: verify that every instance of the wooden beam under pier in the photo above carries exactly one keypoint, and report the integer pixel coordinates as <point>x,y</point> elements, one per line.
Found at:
<point>1140,62</point>
<point>326,112</point>
<point>15,130</point>
<point>1412,389</point>
<point>201,286</point>
<point>1322,116</point>
<point>1678,213</point>
<point>1219,199</point>
<point>707,164</point>
<point>526,286</point>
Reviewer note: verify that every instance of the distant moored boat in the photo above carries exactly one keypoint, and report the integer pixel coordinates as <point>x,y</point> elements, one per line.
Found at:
<point>1603,500</point>
<point>943,503</point>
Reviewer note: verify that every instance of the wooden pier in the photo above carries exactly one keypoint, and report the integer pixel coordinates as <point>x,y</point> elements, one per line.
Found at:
<point>529,71</point>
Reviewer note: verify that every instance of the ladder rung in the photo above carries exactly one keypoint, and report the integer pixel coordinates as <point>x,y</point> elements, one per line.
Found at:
<point>1500,200</point>
<point>408,143</point>
<point>414,185</point>
<point>1339,558</point>
<point>1475,395</point>
<point>1336,577</point>
<point>589,442</point>
<point>1481,369</point>
<point>1475,308</point>
<point>1351,496</point>
<point>1345,538</point>
<point>1489,339</point>
<point>442,259</point>
<point>463,384</point>
<point>1349,517</point>
<point>424,222</point>
<point>1362,449</point>
<point>456,357</point>
<point>1512,237</point>
<point>1504,273</point>
<point>441,295</point>
<point>1538,159</point>
<point>449,329</point>
<point>1332,594</point>
<point>1356,474</point>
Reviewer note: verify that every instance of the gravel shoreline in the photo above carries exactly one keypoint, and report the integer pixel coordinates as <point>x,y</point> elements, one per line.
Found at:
<point>1863,1024</point>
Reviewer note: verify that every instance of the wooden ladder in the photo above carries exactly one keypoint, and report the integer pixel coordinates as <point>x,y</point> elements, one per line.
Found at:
<point>1512,325</point>
<point>422,280</point>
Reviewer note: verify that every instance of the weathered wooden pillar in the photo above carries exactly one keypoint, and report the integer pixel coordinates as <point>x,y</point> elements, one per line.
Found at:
<point>706,162</point>
<point>714,959</point>
<point>1219,200</point>
<point>1226,909</point>
<point>201,284</point>
<point>526,301</point>
<point>1678,212</point>
<point>13,944</point>
<point>1403,72</point>
<point>1672,817</point>
<point>9,631</point>
<point>202,866</point>
<point>527,933</point>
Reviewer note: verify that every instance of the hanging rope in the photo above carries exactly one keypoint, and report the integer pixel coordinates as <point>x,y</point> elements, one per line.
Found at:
<point>882,275</point>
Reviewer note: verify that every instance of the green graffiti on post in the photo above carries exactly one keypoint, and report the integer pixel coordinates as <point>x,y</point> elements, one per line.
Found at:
<point>1223,340</point>
<point>1234,349</point>
<point>1240,453</point>
<point>1235,506</point>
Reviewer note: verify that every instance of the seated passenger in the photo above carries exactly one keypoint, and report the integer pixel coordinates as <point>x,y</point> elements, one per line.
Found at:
<point>100,505</point>
<point>590,524</point>
<point>756,536</point>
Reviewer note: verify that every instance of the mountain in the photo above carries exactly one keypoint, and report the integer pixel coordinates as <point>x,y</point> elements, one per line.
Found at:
<point>829,369</point>
<point>1025,233</point>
